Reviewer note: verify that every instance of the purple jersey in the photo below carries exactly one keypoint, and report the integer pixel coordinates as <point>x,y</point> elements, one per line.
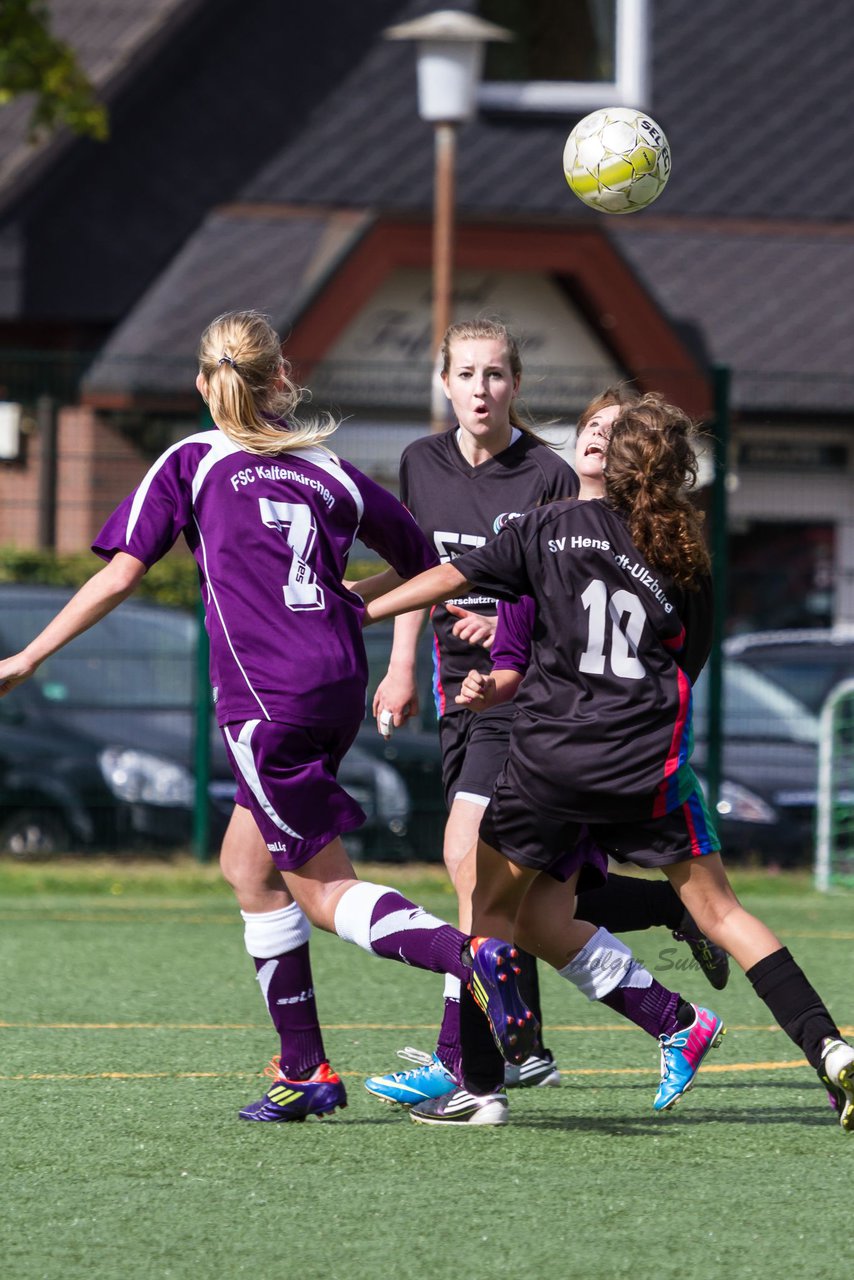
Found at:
<point>511,648</point>
<point>271,537</point>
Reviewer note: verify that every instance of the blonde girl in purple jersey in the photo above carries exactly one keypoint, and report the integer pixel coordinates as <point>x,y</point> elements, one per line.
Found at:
<point>643,538</point>
<point>270,515</point>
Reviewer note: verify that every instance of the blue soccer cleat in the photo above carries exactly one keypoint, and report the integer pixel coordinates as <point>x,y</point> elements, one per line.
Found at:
<point>682,1055</point>
<point>286,1099</point>
<point>429,1079</point>
<point>493,984</point>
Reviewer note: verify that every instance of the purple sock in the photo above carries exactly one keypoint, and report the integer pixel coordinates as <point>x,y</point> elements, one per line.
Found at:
<point>288,990</point>
<point>400,930</point>
<point>448,1047</point>
<point>653,1008</point>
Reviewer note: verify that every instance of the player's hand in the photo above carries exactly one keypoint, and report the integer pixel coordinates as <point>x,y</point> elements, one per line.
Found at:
<point>476,690</point>
<point>395,700</point>
<point>14,671</point>
<point>476,628</point>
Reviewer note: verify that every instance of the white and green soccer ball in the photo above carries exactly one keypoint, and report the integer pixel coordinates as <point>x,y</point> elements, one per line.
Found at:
<point>617,160</point>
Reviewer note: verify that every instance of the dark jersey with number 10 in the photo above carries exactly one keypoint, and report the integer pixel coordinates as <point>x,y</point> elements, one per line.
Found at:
<point>603,725</point>
<point>459,507</point>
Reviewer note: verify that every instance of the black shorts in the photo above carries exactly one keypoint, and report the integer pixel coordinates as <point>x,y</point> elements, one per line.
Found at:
<point>561,845</point>
<point>474,749</point>
<point>686,832</point>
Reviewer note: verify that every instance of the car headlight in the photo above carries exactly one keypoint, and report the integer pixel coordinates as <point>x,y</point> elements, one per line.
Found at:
<point>142,778</point>
<point>741,805</point>
<point>392,797</point>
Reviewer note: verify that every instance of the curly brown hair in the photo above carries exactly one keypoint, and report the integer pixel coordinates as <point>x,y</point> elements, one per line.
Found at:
<point>650,466</point>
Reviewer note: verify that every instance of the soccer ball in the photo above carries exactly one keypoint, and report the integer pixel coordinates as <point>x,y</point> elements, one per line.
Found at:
<point>617,160</point>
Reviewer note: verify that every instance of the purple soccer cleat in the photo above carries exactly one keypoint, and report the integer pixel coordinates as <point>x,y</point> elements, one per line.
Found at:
<point>493,984</point>
<point>286,1099</point>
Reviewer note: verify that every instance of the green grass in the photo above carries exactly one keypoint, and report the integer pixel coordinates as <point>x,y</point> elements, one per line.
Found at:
<point>132,1031</point>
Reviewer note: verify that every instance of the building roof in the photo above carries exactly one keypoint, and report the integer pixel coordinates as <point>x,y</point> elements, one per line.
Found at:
<point>246,257</point>
<point>110,39</point>
<point>750,249</point>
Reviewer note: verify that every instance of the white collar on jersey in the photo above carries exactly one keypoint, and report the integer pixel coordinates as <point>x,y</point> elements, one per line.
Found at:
<point>514,436</point>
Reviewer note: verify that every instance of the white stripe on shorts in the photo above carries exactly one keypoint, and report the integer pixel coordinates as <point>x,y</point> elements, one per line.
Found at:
<point>242,750</point>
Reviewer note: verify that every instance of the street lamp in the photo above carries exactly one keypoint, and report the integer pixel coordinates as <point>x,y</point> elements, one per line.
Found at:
<point>449,53</point>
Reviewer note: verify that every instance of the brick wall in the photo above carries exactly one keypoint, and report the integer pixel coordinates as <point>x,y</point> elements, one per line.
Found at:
<point>96,467</point>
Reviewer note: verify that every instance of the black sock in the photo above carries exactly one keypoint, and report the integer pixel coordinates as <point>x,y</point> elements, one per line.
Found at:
<point>625,904</point>
<point>528,982</point>
<point>794,1003</point>
<point>684,1014</point>
<point>483,1065</point>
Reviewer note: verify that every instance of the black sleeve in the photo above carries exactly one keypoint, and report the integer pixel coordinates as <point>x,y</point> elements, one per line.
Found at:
<point>697,611</point>
<point>499,567</point>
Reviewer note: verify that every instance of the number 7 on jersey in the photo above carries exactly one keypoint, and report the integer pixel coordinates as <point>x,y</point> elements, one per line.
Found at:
<point>295,522</point>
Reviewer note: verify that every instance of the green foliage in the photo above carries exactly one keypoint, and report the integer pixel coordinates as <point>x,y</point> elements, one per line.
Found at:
<point>33,60</point>
<point>174,580</point>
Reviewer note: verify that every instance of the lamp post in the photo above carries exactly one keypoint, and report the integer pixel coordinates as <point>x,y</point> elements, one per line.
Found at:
<point>449,49</point>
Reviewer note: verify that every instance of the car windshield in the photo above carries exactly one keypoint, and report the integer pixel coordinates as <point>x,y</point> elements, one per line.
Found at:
<point>755,707</point>
<point>136,656</point>
<point>807,673</point>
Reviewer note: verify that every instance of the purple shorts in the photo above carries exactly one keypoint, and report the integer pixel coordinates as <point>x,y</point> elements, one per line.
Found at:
<point>286,778</point>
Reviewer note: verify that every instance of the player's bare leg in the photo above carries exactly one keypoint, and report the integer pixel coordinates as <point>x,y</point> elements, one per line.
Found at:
<point>776,978</point>
<point>276,936</point>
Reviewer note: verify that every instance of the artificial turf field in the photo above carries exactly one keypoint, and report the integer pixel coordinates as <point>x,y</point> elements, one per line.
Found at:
<point>132,1032</point>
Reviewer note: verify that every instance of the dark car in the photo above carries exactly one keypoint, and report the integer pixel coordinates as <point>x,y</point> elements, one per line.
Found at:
<point>766,807</point>
<point>97,750</point>
<point>809,663</point>
<point>412,750</point>
<point>769,768</point>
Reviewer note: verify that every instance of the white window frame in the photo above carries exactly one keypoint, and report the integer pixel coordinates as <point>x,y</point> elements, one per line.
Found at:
<point>629,88</point>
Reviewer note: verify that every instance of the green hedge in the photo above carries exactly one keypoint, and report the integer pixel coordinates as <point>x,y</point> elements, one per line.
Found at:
<point>174,580</point>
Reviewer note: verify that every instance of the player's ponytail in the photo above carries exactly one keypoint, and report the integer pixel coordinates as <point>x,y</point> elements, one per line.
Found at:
<point>650,466</point>
<point>248,389</point>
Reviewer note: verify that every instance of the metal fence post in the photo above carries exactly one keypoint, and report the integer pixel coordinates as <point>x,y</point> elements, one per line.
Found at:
<point>720,558</point>
<point>202,747</point>
<point>47,425</point>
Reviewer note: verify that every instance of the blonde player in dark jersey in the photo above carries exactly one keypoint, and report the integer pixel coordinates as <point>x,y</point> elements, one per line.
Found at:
<point>602,738</point>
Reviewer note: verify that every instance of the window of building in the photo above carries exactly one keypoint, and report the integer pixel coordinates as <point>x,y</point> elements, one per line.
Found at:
<point>567,55</point>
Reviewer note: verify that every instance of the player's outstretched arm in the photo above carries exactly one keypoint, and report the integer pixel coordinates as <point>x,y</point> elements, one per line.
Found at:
<point>479,691</point>
<point>376,585</point>
<point>431,587</point>
<point>95,599</point>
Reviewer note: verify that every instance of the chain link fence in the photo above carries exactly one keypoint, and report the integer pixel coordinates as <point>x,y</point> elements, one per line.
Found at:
<point>776,486</point>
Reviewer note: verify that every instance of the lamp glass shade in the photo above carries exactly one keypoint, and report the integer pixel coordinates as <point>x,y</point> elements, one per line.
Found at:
<point>448,76</point>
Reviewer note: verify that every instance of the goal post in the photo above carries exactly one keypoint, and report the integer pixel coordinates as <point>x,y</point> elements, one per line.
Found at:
<point>834,855</point>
